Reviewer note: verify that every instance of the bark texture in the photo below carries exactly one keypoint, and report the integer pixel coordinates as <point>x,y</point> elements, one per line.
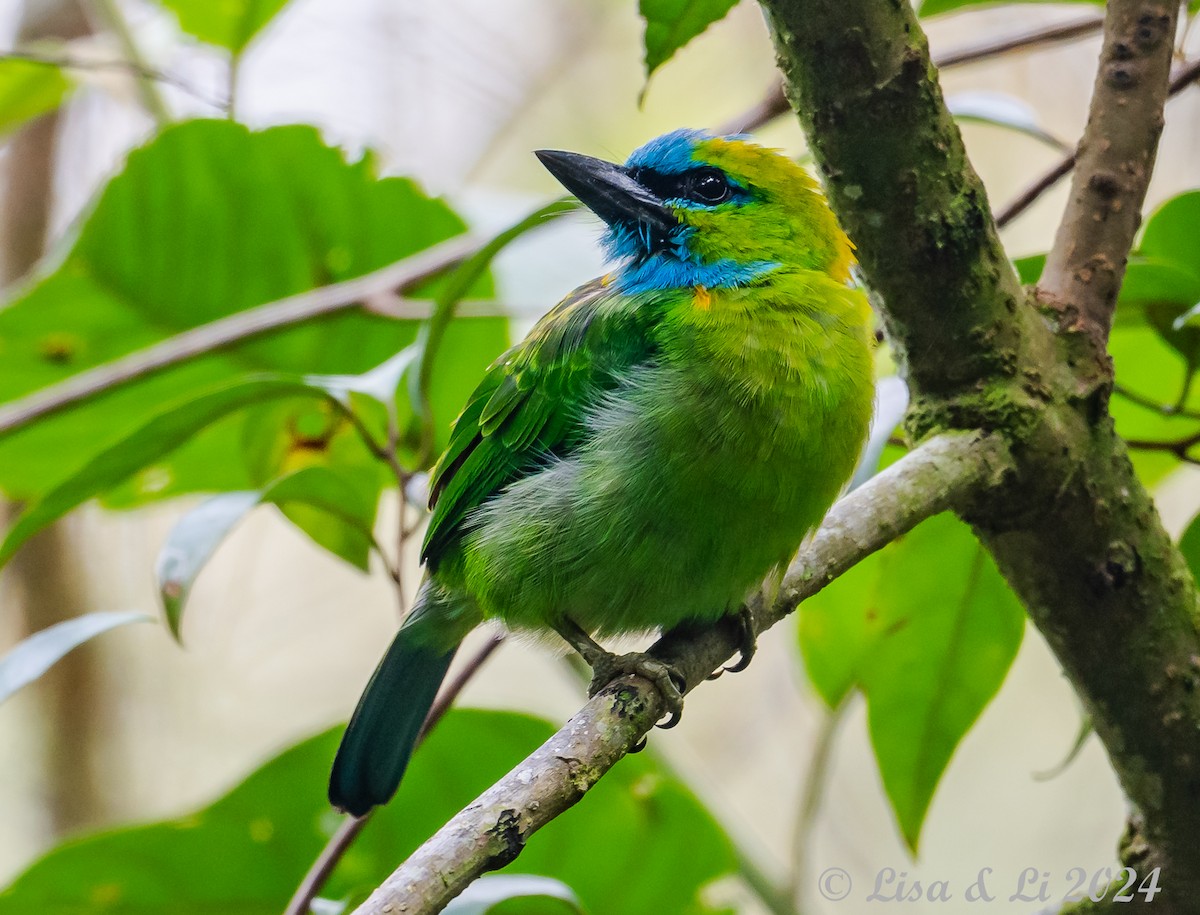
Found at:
<point>1073,529</point>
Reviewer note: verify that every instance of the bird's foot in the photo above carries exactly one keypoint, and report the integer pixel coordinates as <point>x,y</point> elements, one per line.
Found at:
<point>607,667</point>
<point>747,647</point>
<point>671,685</point>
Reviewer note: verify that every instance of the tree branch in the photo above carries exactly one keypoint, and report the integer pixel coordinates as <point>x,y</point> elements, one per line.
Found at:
<point>136,70</point>
<point>944,473</point>
<point>860,77</point>
<point>1114,162</point>
<point>399,277</point>
<point>774,104</point>
<point>1073,530</point>
<point>1186,75</point>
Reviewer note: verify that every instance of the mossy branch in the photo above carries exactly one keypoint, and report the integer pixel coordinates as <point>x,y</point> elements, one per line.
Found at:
<point>1073,530</point>
<point>943,474</point>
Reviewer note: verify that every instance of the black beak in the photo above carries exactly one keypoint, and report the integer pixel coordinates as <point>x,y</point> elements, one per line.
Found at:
<point>609,192</point>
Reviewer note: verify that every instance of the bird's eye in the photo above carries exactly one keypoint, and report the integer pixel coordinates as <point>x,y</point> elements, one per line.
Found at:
<point>709,185</point>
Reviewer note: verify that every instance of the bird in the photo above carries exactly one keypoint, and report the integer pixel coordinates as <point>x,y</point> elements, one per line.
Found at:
<point>661,442</point>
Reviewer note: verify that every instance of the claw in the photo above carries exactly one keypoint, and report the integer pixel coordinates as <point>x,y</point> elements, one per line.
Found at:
<point>671,685</point>
<point>607,667</point>
<point>748,646</point>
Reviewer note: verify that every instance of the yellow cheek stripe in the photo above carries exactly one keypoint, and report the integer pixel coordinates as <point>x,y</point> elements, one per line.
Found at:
<point>702,298</point>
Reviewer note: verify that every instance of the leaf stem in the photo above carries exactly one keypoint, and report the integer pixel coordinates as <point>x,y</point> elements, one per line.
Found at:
<point>339,843</point>
<point>810,802</point>
<point>148,90</point>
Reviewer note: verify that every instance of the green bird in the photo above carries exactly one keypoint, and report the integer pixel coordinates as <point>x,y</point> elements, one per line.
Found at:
<point>662,441</point>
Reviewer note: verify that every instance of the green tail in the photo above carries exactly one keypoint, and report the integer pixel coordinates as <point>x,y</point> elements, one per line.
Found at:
<point>384,728</point>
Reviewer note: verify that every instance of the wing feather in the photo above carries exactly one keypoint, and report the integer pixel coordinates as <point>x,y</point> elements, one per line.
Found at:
<point>532,402</point>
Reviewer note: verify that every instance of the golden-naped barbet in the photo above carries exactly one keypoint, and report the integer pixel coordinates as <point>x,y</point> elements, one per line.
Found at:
<point>663,439</point>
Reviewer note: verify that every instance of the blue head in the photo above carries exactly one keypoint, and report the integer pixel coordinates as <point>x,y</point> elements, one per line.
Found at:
<point>693,209</point>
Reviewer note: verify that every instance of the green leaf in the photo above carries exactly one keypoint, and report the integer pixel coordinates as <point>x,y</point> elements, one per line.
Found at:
<point>36,654</point>
<point>244,854</point>
<point>1170,233</point>
<point>340,516</point>
<point>208,220</point>
<point>228,24</point>
<point>928,644</point>
<point>1029,268</point>
<point>670,24</point>
<point>29,89</point>
<point>157,438</point>
<point>335,509</point>
<point>936,7</point>
<point>486,894</point>
<point>1189,546</point>
<point>1145,364</point>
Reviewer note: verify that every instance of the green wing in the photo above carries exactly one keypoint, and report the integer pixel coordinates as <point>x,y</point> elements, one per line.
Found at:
<point>531,403</point>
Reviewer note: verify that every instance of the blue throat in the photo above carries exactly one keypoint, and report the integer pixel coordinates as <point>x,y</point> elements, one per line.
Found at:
<point>666,271</point>
<point>676,267</point>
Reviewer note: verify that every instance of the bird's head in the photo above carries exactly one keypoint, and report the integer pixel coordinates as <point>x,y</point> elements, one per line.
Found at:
<point>693,209</point>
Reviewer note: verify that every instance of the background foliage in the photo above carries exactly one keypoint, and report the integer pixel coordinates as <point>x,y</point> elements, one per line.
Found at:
<point>327,421</point>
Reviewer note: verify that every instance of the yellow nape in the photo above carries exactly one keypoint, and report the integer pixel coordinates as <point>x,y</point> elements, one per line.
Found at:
<point>790,185</point>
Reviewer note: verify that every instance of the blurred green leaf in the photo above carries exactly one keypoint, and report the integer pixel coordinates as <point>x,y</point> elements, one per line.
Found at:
<point>341,517</point>
<point>928,643</point>
<point>1170,232</point>
<point>36,654</point>
<point>1029,268</point>
<point>29,89</point>
<point>1145,364</point>
<point>670,24</point>
<point>486,894</point>
<point>337,510</point>
<point>228,24</point>
<point>1189,546</point>
<point>158,437</point>
<point>207,220</point>
<point>245,854</point>
<point>935,7</point>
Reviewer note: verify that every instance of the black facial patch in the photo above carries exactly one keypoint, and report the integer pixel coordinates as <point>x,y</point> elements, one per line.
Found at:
<point>705,185</point>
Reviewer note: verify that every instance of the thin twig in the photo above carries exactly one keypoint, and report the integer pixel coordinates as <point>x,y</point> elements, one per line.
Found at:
<point>1054,34</point>
<point>140,71</point>
<point>774,103</point>
<point>1184,77</point>
<point>400,276</point>
<point>810,803</point>
<point>1025,199</point>
<point>1179,447</point>
<point>340,842</point>
<point>944,472</point>
<point>152,99</point>
<point>323,866</point>
<point>1163,409</point>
